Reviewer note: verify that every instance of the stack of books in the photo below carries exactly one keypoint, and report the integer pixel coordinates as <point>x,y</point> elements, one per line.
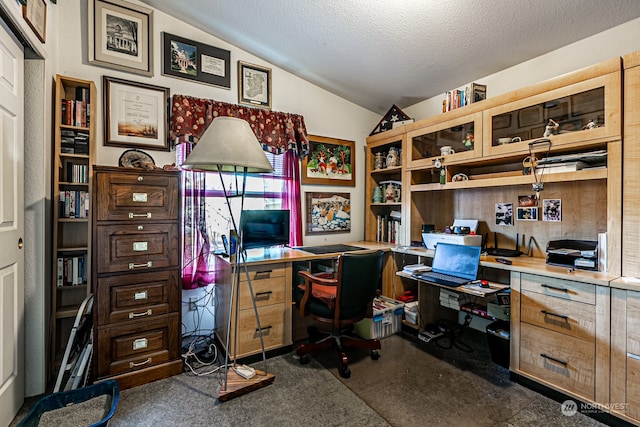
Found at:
<point>415,268</point>
<point>411,312</point>
<point>452,299</point>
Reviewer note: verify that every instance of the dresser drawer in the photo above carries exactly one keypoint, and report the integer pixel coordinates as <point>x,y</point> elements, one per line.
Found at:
<point>573,318</point>
<point>558,359</point>
<point>136,247</point>
<point>129,196</point>
<point>271,322</point>
<point>566,289</point>
<point>139,345</point>
<point>129,297</point>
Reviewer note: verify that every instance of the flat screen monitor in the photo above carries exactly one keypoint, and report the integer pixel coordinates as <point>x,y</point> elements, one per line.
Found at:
<point>264,228</point>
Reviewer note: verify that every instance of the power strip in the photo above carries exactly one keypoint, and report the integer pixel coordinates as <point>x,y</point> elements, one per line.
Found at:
<point>245,371</point>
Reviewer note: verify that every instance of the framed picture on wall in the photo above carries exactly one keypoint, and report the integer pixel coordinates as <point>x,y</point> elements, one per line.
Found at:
<point>34,13</point>
<point>120,36</point>
<point>190,60</point>
<point>254,85</point>
<point>328,213</point>
<point>330,161</point>
<point>135,114</point>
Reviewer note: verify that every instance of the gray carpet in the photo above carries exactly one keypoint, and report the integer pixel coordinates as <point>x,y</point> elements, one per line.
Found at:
<point>300,395</point>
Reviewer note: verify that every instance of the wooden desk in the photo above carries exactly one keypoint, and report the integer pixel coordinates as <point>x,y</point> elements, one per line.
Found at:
<point>272,278</point>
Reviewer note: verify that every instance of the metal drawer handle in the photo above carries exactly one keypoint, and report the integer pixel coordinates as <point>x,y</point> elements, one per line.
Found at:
<point>133,365</point>
<point>266,294</point>
<point>144,313</point>
<point>132,215</point>
<point>548,313</point>
<point>562,362</point>
<point>555,288</point>
<point>146,264</point>
<point>264,329</point>
<point>265,274</point>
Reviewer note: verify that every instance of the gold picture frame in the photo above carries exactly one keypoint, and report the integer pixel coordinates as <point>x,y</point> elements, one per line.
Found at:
<point>330,161</point>
<point>120,36</point>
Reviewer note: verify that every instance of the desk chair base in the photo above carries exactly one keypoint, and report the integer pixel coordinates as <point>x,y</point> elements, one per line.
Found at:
<point>339,341</point>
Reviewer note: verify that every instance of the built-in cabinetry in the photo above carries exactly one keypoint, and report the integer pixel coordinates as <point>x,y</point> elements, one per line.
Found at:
<point>136,275</point>
<point>271,285</point>
<point>560,334</point>
<point>73,156</point>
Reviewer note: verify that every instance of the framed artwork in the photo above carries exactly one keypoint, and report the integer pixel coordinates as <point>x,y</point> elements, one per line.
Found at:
<point>121,36</point>
<point>34,13</point>
<point>254,85</point>
<point>530,116</point>
<point>530,200</point>
<point>135,114</point>
<point>502,121</point>
<point>328,213</point>
<point>527,214</point>
<point>504,214</point>
<point>552,210</point>
<point>190,60</point>
<point>330,161</point>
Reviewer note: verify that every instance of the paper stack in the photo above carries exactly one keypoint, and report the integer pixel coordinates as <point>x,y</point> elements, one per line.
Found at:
<point>415,268</point>
<point>411,312</point>
<point>452,299</point>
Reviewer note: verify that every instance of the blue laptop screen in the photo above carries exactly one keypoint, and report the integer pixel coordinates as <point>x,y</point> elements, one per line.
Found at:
<point>457,260</point>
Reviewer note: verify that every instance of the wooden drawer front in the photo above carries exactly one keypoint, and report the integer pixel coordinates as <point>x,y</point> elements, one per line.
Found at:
<point>136,196</point>
<point>558,359</point>
<point>573,291</point>
<point>569,317</point>
<point>271,322</point>
<point>266,292</point>
<point>136,247</point>
<point>141,345</point>
<point>137,296</point>
<point>263,272</point>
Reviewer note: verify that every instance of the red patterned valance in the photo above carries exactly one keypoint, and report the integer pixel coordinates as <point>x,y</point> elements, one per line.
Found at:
<point>276,131</point>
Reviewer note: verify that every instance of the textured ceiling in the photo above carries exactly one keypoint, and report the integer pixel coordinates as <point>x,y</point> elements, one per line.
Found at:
<point>376,53</point>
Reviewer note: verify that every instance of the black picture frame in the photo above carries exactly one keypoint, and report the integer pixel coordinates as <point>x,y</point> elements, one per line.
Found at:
<point>254,85</point>
<point>205,64</point>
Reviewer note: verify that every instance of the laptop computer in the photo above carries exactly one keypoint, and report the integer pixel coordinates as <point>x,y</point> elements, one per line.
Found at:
<point>453,265</point>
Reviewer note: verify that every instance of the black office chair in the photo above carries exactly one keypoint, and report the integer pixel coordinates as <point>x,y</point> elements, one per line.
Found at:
<point>340,302</point>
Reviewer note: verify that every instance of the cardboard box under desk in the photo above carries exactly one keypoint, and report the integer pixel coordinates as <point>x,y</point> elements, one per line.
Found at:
<point>386,320</point>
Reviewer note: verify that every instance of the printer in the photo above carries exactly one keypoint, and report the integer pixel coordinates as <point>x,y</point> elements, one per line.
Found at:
<point>469,238</point>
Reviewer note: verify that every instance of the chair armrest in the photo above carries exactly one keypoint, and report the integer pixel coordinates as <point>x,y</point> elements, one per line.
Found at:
<point>309,280</point>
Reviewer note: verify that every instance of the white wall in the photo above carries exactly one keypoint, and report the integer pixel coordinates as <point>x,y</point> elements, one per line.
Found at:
<point>615,42</point>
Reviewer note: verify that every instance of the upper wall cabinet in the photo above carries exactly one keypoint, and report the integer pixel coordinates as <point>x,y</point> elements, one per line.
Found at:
<point>585,110</point>
<point>449,140</point>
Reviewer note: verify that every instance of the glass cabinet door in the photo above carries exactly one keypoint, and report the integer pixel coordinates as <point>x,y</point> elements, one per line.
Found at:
<point>452,140</point>
<point>581,112</point>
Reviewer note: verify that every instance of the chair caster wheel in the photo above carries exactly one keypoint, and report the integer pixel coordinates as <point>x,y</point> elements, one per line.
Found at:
<point>345,372</point>
<point>375,355</point>
<point>304,359</point>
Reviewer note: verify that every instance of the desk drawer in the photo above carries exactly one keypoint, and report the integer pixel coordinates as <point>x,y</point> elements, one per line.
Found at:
<point>266,292</point>
<point>135,248</point>
<point>558,359</point>
<point>138,346</point>
<point>263,272</point>
<point>568,317</point>
<point>272,324</point>
<point>137,296</point>
<point>565,289</point>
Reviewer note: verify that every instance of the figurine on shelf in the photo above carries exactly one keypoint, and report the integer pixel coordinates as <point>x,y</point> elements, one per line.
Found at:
<point>377,195</point>
<point>378,161</point>
<point>590,125</point>
<point>551,128</point>
<point>392,157</point>
<point>468,141</point>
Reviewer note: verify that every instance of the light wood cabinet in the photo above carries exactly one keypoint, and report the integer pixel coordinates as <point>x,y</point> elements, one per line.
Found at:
<point>73,157</point>
<point>136,277</point>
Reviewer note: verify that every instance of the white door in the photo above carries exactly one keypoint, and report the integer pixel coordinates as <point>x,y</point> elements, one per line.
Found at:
<point>11,227</point>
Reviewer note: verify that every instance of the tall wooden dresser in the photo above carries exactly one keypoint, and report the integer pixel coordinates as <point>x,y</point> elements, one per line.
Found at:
<point>136,239</point>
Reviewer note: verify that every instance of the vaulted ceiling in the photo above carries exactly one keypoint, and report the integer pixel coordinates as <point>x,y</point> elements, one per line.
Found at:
<point>376,53</point>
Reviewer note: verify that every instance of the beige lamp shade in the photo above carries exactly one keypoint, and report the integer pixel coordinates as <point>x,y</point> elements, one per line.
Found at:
<point>228,144</point>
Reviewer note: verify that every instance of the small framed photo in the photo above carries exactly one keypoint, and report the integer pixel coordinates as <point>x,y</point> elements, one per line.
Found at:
<point>330,161</point>
<point>34,13</point>
<point>530,200</point>
<point>552,210</point>
<point>135,114</point>
<point>187,59</point>
<point>504,214</point>
<point>328,213</point>
<point>120,36</point>
<point>527,214</point>
<point>254,85</point>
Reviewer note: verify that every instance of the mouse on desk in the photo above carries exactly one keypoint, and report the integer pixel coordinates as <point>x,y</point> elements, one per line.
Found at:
<point>484,283</point>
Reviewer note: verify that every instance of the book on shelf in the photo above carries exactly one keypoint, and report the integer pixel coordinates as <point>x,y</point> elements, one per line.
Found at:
<point>415,268</point>
<point>388,229</point>
<point>561,167</point>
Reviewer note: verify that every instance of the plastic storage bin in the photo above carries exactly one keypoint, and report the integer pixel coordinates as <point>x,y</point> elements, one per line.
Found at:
<point>498,336</point>
<point>387,319</point>
<point>69,399</point>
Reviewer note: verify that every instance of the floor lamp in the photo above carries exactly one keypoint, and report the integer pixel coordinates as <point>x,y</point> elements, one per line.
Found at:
<point>229,145</point>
